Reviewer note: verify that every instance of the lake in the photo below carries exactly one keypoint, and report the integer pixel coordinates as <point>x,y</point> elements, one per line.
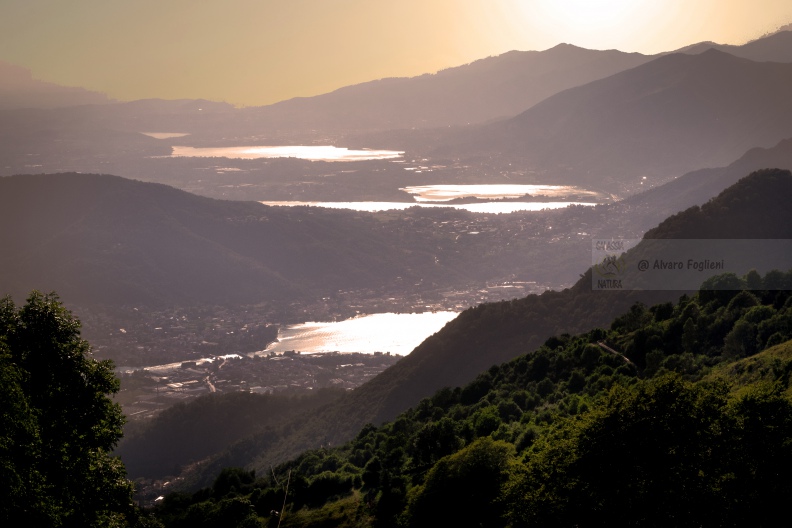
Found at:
<point>429,195</point>
<point>165,135</point>
<point>487,207</point>
<point>311,153</point>
<point>397,333</point>
<point>443,193</point>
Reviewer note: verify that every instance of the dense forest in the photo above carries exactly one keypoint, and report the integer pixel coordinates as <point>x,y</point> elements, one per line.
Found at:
<point>676,414</point>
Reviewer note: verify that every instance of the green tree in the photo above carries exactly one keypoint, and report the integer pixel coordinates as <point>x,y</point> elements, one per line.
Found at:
<point>436,440</point>
<point>762,457</point>
<point>19,443</point>
<point>741,340</point>
<point>663,453</point>
<point>59,425</point>
<point>463,489</point>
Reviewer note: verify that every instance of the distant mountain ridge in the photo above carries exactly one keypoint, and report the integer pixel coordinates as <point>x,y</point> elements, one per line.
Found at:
<point>487,89</point>
<point>697,187</point>
<point>664,118</point>
<point>106,240</point>
<point>483,90</point>
<point>490,88</point>
<point>18,89</point>
<point>603,119</point>
<point>771,48</point>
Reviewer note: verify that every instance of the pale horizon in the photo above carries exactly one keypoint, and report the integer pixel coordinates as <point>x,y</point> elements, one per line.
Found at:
<point>251,54</point>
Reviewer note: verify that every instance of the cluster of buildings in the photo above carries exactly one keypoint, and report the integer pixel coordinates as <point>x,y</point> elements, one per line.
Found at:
<point>147,391</point>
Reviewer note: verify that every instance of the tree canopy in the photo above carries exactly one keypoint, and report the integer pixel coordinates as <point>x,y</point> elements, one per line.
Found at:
<point>58,423</point>
<point>663,453</point>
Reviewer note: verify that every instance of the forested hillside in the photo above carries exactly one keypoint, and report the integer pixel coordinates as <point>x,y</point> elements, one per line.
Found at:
<point>677,414</point>
<point>496,332</point>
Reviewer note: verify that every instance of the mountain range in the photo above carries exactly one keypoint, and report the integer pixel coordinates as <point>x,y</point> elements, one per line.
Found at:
<point>672,115</point>
<point>483,90</point>
<point>18,89</point>
<point>607,120</point>
<point>776,47</point>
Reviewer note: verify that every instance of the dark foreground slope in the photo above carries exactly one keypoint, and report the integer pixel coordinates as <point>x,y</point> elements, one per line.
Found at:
<point>106,240</point>
<point>496,332</point>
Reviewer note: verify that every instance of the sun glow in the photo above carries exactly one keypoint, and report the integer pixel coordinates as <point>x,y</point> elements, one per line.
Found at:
<point>582,15</point>
<point>595,23</point>
<point>595,18</point>
<point>259,52</point>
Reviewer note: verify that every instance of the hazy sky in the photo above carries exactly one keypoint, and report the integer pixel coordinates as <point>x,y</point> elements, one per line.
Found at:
<point>261,51</point>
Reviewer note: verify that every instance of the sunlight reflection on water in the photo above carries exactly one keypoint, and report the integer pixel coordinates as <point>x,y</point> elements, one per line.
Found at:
<point>488,207</point>
<point>441,193</point>
<point>165,135</point>
<point>311,153</point>
<point>385,332</point>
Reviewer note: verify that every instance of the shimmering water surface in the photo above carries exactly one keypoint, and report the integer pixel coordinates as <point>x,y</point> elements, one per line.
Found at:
<point>397,333</point>
<point>165,135</point>
<point>429,195</point>
<point>385,332</point>
<point>487,207</point>
<point>443,193</point>
<point>312,153</point>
